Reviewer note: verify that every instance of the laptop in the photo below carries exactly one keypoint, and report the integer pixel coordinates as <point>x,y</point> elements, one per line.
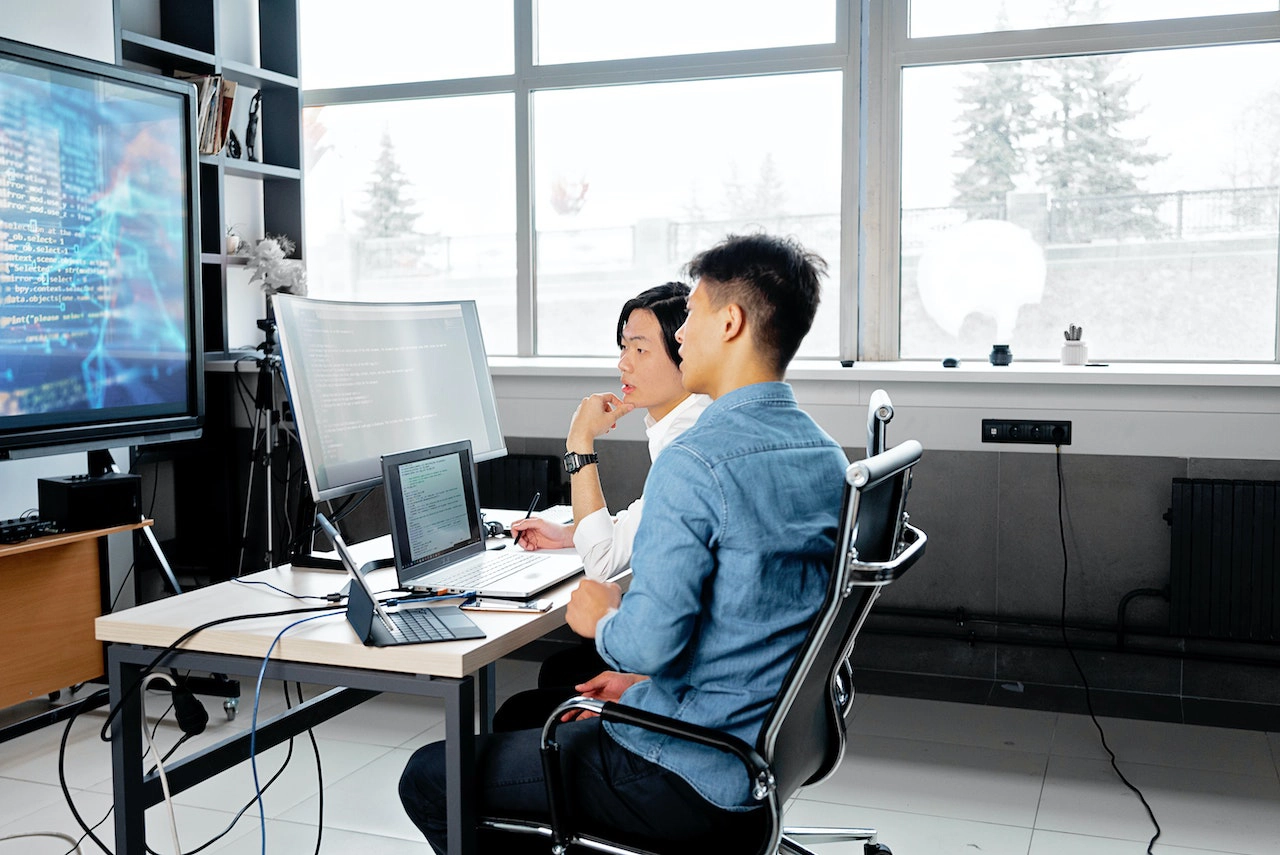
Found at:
<point>403,626</point>
<point>438,533</point>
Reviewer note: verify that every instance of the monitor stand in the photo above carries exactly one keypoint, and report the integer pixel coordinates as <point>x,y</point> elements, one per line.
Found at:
<point>300,558</point>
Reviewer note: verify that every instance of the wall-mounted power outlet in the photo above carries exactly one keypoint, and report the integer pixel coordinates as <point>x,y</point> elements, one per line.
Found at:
<point>1038,432</point>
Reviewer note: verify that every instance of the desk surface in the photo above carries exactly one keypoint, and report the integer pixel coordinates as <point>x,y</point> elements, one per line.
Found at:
<point>329,640</point>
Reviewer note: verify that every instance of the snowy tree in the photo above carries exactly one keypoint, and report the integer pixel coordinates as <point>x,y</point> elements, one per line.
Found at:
<point>1087,161</point>
<point>997,120</point>
<point>389,212</point>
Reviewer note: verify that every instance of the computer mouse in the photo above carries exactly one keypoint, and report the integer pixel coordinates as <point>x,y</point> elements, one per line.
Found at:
<point>950,362</point>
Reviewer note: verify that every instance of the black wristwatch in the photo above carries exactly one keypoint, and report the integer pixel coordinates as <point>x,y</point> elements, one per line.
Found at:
<point>573,461</point>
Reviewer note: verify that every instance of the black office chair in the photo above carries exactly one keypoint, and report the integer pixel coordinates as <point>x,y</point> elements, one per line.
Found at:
<point>802,739</point>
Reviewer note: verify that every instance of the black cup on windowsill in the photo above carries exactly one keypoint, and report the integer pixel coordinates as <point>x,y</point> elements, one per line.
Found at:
<point>1001,354</point>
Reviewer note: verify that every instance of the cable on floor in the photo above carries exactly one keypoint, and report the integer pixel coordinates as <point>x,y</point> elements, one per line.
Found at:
<point>253,727</point>
<point>1088,693</point>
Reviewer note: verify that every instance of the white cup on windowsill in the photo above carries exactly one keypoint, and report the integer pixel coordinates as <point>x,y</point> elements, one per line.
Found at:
<point>1075,353</point>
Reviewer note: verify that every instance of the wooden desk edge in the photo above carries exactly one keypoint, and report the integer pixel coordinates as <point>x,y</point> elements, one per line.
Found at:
<point>48,540</point>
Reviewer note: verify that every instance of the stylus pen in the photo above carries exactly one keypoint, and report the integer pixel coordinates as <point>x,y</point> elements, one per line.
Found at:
<point>528,513</point>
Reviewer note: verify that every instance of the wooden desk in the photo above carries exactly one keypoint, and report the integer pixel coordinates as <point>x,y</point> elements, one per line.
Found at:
<point>323,651</point>
<point>51,590</point>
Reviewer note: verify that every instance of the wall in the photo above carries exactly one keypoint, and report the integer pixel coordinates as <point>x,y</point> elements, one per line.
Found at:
<point>991,512</point>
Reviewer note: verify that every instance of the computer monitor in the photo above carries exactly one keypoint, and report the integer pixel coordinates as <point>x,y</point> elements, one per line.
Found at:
<point>369,379</point>
<point>100,329</point>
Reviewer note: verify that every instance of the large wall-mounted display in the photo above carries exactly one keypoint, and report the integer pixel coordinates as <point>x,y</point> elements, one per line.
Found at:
<point>100,330</point>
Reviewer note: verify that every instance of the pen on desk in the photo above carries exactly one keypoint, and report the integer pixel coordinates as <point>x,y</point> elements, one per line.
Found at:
<point>536,496</point>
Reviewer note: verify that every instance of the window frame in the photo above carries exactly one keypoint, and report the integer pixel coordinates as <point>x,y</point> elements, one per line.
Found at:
<point>888,54</point>
<point>529,77</point>
<point>871,48</point>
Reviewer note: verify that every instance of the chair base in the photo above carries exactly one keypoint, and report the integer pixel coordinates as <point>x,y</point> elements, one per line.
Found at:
<point>793,838</point>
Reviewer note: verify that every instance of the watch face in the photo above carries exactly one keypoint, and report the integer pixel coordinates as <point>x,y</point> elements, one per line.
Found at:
<point>574,461</point>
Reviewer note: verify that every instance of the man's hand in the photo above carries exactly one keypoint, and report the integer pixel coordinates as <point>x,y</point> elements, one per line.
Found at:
<point>605,686</point>
<point>596,415</point>
<point>589,602</point>
<point>538,533</point>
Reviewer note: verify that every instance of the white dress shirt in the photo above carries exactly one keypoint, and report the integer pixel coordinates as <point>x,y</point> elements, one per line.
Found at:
<point>604,542</point>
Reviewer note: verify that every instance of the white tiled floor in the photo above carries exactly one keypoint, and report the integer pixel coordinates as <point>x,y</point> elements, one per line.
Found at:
<point>935,778</point>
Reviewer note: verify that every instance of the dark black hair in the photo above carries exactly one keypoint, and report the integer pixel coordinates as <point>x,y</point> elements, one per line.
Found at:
<point>775,280</point>
<point>668,304</point>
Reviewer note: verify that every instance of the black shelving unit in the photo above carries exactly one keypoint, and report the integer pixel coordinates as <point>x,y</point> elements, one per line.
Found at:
<point>210,475</point>
<point>189,41</point>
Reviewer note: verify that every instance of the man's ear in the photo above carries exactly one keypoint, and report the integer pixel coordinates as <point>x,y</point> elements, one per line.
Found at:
<point>735,321</point>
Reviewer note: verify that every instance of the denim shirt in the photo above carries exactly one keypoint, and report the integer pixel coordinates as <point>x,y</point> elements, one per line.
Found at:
<point>730,566</point>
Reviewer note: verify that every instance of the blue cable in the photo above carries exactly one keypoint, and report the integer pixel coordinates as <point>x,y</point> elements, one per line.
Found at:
<point>257,694</point>
<point>253,727</point>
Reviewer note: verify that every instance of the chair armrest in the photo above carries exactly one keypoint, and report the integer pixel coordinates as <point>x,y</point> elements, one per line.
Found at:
<point>883,572</point>
<point>762,783</point>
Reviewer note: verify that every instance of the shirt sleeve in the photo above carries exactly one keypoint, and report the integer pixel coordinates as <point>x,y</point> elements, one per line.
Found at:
<point>673,559</point>
<point>605,543</point>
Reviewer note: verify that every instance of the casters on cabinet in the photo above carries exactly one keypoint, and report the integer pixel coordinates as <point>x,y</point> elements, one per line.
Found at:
<point>229,705</point>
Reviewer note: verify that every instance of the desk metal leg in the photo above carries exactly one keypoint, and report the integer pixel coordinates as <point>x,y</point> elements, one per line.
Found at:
<point>460,776</point>
<point>126,754</point>
<point>487,678</point>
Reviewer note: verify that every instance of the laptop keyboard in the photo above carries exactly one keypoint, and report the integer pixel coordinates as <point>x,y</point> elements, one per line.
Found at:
<point>491,571</point>
<point>421,625</point>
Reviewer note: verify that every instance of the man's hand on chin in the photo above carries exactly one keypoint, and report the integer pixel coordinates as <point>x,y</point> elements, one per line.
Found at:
<point>589,603</point>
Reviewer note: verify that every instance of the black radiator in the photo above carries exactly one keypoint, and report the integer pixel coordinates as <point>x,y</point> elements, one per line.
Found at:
<point>512,481</point>
<point>1224,559</point>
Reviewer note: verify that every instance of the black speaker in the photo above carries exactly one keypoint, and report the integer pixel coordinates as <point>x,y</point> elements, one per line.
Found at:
<point>81,502</point>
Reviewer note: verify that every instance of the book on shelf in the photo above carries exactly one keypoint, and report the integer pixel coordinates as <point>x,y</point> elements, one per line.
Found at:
<point>216,99</point>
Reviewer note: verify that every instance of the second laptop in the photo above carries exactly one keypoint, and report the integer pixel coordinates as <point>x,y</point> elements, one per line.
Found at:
<point>438,534</point>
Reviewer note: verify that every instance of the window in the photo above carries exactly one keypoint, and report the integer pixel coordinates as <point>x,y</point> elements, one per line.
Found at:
<point>398,209</point>
<point>465,153</point>
<point>1004,169</point>
<point>662,171</point>
<point>1135,193</point>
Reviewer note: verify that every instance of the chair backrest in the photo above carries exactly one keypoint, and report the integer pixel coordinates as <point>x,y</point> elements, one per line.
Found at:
<point>879,414</point>
<point>803,735</point>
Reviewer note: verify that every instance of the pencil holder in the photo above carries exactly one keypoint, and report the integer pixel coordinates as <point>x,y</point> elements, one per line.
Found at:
<point>1075,353</point>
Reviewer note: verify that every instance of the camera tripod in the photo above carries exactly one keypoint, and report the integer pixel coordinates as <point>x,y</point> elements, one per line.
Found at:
<point>266,441</point>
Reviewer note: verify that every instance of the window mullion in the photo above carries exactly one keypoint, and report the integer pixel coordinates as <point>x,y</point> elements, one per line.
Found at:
<point>526,243</point>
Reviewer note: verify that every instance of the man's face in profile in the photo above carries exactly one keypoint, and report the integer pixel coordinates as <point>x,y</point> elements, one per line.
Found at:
<point>698,339</point>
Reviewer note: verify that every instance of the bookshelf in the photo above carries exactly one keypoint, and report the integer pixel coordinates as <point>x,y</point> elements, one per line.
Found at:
<point>188,40</point>
<point>211,480</point>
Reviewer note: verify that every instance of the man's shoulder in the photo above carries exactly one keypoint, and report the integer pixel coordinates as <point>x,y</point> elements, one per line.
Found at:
<point>762,425</point>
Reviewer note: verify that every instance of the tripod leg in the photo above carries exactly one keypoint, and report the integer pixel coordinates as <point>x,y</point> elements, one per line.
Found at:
<point>104,462</point>
<point>259,435</point>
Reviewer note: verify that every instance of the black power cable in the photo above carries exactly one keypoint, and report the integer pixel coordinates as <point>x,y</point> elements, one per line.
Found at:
<point>1088,693</point>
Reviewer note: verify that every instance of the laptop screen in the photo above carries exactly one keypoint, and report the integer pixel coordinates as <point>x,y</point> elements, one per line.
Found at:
<point>434,507</point>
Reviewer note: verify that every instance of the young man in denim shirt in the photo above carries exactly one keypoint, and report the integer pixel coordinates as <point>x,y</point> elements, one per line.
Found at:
<point>729,567</point>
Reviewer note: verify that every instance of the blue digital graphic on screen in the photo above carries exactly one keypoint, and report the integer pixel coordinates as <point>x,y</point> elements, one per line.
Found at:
<point>93,248</point>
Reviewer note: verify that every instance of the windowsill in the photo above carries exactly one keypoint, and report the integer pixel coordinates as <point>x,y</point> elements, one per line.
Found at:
<point>1185,410</point>
<point>919,371</point>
